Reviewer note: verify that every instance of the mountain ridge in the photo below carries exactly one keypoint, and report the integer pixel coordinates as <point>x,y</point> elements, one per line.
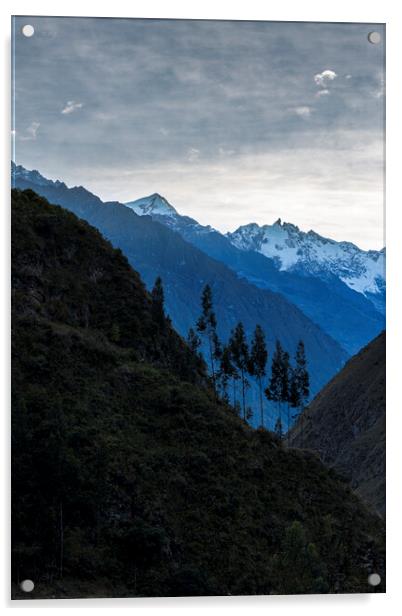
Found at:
<point>348,316</point>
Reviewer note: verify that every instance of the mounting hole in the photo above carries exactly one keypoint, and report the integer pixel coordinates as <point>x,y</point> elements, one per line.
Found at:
<point>374,579</point>
<point>374,38</point>
<point>28,30</point>
<point>27,585</point>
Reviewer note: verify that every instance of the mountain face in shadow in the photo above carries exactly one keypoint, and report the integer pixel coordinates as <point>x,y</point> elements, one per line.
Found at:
<point>156,250</point>
<point>316,284</point>
<point>129,477</point>
<point>345,423</point>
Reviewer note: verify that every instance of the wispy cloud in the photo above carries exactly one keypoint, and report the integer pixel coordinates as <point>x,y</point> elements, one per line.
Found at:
<point>30,132</point>
<point>70,107</point>
<point>303,111</point>
<point>322,79</point>
<point>193,154</point>
<point>321,93</point>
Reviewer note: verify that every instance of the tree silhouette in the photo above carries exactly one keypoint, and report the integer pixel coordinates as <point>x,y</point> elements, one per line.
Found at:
<point>227,371</point>
<point>258,362</point>
<point>158,303</point>
<point>274,391</point>
<point>241,359</point>
<point>206,326</point>
<point>300,384</point>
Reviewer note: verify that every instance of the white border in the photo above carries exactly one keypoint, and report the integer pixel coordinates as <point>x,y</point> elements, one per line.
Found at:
<point>378,11</point>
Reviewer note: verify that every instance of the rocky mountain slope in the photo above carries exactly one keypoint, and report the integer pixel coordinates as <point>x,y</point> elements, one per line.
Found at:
<point>292,249</point>
<point>345,423</point>
<point>129,478</point>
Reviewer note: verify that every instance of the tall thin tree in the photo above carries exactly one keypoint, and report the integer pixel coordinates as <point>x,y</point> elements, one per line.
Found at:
<point>206,326</point>
<point>274,390</point>
<point>302,378</point>
<point>158,302</point>
<point>258,362</point>
<point>241,359</point>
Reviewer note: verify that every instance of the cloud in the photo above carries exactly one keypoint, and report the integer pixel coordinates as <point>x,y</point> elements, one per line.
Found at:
<point>225,152</point>
<point>380,91</point>
<point>31,132</point>
<point>320,93</point>
<point>303,111</point>
<point>322,79</point>
<point>193,154</point>
<point>71,106</point>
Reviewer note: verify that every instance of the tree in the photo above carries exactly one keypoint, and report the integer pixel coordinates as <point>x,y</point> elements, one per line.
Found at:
<point>285,382</point>
<point>258,362</point>
<point>227,371</point>
<point>274,391</point>
<point>193,340</point>
<point>206,325</point>
<point>158,303</point>
<point>300,384</point>
<point>241,359</point>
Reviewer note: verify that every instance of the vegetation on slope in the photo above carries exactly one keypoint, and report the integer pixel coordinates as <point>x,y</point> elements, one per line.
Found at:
<point>129,477</point>
<point>345,423</point>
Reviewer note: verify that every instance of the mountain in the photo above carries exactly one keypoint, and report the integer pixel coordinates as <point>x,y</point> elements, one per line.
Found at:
<point>345,423</point>
<point>294,250</point>
<point>155,250</point>
<point>348,316</point>
<point>128,477</point>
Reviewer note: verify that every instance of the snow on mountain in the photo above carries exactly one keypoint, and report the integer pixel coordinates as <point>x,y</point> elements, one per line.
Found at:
<point>293,249</point>
<point>153,205</point>
<point>19,172</point>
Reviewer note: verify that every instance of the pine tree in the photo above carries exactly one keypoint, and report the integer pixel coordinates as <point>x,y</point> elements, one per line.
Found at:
<point>193,340</point>
<point>274,391</point>
<point>258,362</point>
<point>206,325</point>
<point>300,383</point>
<point>227,371</point>
<point>158,303</point>
<point>285,383</point>
<point>241,359</point>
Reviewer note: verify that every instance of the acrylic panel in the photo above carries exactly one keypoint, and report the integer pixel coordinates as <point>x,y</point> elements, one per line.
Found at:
<point>198,308</point>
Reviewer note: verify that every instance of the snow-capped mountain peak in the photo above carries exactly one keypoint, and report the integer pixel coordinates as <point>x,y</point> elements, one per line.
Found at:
<point>18,172</point>
<point>153,205</point>
<point>293,249</point>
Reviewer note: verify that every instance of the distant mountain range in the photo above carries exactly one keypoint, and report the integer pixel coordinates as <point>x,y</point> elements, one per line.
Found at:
<point>345,423</point>
<point>156,249</point>
<point>337,285</point>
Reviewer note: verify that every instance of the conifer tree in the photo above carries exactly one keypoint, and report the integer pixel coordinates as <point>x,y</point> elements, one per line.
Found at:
<point>241,359</point>
<point>227,371</point>
<point>285,382</point>
<point>158,302</point>
<point>274,390</point>
<point>258,362</point>
<point>300,383</point>
<point>193,340</point>
<point>206,326</point>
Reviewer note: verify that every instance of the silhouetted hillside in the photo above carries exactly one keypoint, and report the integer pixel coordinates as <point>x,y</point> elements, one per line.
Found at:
<point>345,423</point>
<point>129,478</point>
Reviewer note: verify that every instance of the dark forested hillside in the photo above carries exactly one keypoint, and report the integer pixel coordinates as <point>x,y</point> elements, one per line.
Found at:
<point>345,423</point>
<point>129,477</point>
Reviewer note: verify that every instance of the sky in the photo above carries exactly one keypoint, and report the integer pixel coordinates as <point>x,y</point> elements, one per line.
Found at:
<point>232,122</point>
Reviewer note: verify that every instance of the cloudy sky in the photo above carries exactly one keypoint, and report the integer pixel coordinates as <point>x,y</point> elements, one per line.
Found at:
<point>233,122</point>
